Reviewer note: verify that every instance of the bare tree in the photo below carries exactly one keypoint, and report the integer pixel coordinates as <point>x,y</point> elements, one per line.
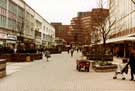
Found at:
<point>133,1</point>
<point>103,26</point>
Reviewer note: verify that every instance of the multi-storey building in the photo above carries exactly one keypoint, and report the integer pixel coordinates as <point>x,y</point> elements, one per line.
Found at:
<point>58,28</point>
<point>85,19</point>
<point>85,24</point>
<point>123,11</point>
<point>63,32</point>
<point>21,25</point>
<point>77,30</point>
<point>48,34</point>
<point>67,34</point>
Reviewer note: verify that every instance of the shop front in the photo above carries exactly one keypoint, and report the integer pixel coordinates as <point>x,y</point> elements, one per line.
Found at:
<point>122,45</point>
<point>38,43</point>
<point>3,39</point>
<point>7,40</point>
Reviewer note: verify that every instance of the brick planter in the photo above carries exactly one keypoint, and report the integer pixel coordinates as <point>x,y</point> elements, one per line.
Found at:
<point>36,56</point>
<point>2,68</point>
<point>6,56</point>
<point>105,68</point>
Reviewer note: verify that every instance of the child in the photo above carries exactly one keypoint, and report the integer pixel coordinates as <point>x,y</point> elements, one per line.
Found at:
<point>121,69</point>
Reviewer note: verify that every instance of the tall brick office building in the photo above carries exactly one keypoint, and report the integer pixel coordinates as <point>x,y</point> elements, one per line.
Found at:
<point>63,32</point>
<point>81,27</point>
<point>84,24</point>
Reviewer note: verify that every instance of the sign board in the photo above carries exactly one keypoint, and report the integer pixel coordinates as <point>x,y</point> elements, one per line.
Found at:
<point>3,36</point>
<point>11,37</point>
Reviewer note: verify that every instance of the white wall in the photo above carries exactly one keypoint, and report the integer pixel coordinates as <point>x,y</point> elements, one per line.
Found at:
<point>124,12</point>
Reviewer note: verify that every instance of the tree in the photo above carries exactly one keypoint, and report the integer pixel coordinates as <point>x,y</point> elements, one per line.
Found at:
<point>103,25</point>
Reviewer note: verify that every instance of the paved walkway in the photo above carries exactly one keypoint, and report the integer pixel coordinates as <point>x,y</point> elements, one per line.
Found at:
<point>59,74</point>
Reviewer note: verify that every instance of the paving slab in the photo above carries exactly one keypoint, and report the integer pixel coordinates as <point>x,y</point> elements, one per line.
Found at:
<point>60,74</point>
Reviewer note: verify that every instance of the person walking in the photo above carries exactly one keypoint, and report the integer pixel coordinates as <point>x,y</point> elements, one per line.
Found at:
<point>47,54</point>
<point>132,64</point>
<point>72,51</point>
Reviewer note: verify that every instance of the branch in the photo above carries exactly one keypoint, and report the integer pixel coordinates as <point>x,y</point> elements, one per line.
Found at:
<point>133,1</point>
<point>110,26</point>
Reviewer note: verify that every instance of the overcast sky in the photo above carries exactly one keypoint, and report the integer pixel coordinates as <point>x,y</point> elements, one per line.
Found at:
<point>61,10</point>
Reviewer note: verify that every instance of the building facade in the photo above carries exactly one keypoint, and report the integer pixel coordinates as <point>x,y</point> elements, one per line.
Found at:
<point>123,31</point>
<point>63,32</point>
<point>85,19</point>
<point>20,25</point>
<point>125,18</point>
<point>85,24</point>
<point>77,31</point>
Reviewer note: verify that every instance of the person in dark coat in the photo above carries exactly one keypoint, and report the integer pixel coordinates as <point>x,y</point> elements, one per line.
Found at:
<point>132,65</point>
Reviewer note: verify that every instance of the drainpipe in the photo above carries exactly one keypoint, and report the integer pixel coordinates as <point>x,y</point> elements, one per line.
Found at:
<point>125,49</point>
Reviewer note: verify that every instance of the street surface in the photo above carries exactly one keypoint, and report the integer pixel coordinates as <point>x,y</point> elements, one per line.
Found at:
<point>60,74</point>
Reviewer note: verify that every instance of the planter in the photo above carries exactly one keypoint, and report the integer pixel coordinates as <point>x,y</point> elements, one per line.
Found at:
<point>105,68</point>
<point>2,68</point>
<point>36,56</point>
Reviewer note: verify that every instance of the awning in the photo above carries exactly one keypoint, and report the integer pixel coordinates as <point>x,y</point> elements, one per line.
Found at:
<point>119,39</point>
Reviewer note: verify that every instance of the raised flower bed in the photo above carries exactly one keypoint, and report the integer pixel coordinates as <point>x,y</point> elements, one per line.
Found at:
<point>105,67</point>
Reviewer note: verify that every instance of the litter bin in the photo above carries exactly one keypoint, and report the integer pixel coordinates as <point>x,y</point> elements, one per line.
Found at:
<point>28,58</point>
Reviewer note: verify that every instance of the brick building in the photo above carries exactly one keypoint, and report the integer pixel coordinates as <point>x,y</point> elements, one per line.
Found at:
<point>85,20</point>
<point>76,30</point>
<point>63,32</point>
<point>85,23</point>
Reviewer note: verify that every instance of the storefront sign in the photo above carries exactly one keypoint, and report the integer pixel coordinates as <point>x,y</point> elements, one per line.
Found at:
<point>11,37</point>
<point>3,36</point>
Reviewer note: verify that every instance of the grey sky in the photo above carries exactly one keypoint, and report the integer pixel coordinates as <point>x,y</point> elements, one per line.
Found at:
<point>61,10</point>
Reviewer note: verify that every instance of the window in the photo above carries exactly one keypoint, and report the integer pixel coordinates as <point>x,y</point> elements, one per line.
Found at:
<point>12,7</point>
<point>3,4</point>
<point>11,24</point>
<point>2,21</point>
<point>20,12</point>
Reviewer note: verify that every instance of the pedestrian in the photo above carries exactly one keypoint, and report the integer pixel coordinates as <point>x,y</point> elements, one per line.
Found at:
<point>68,49</point>
<point>122,69</point>
<point>132,64</point>
<point>47,54</point>
<point>72,51</point>
<point>77,49</point>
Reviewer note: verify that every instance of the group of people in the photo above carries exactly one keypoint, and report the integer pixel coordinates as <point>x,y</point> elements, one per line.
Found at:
<point>71,50</point>
<point>123,68</point>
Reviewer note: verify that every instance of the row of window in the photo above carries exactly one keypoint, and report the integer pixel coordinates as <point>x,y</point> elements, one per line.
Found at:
<point>2,11</point>
<point>3,4</point>
<point>12,8</point>
<point>11,24</point>
<point>2,21</point>
<point>48,37</point>
<point>20,12</point>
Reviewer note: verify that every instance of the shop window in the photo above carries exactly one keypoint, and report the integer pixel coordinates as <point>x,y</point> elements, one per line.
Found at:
<point>2,21</point>
<point>3,4</point>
